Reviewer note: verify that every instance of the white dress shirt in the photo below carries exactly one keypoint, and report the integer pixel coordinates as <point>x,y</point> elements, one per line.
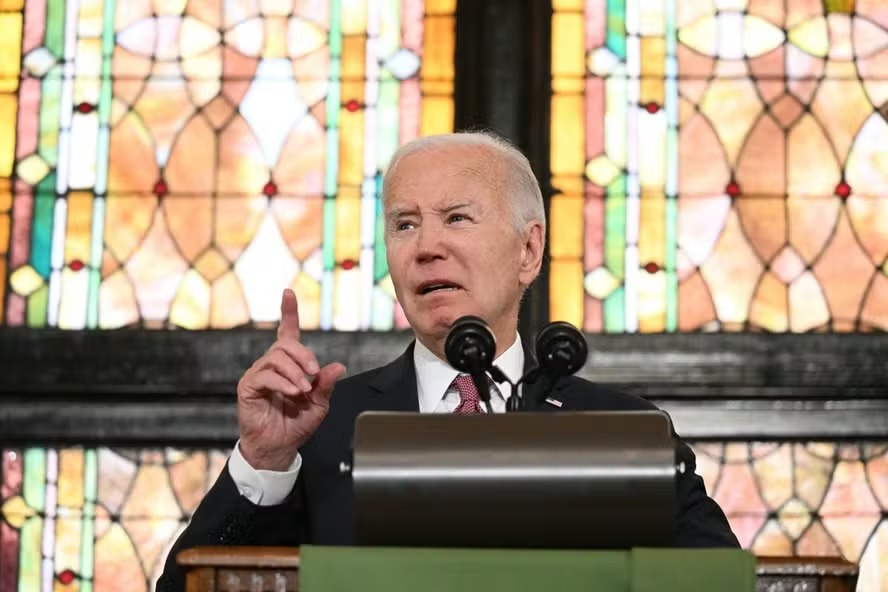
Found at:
<point>434,378</point>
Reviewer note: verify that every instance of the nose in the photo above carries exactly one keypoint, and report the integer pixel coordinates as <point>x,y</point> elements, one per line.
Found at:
<point>429,243</point>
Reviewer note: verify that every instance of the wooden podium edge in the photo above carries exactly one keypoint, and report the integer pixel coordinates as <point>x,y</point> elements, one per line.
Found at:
<point>222,556</point>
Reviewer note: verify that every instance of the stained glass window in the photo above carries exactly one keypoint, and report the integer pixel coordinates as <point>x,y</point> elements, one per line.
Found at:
<point>730,173</point>
<point>106,518</point>
<point>178,163</point>
<point>98,520</point>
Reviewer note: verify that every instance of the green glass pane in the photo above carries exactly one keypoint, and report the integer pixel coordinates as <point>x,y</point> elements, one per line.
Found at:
<point>329,233</point>
<point>50,95</point>
<point>87,533</point>
<point>387,123</point>
<point>616,27</point>
<point>34,478</point>
<point>380,263</point>
<point>615,234</point>
<point>55,27</point>
<point>37,306</point>
<point>614,311</point>
<point>30,554</point>
<point>41,226</point>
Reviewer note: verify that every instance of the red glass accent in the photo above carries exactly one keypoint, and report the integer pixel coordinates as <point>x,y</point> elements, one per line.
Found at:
<point>66,577</point>
<point>76,265</point>
<point>160,188</point>
<point>652,107</point>
<point>353,105</point>
<point>843,190</point>
<point>270,189</point>
<point>651,267</point>
<point>348,264</point>
<point>732,189</point>
<point>85,108</point>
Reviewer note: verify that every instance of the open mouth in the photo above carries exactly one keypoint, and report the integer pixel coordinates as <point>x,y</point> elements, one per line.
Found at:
<point>437,286</point>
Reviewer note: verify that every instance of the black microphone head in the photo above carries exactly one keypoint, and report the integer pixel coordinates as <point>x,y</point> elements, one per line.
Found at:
<point>561,349</point>
<point>470,346</point>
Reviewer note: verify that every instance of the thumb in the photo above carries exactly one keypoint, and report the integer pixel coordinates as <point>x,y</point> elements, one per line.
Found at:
<point>326,379</point>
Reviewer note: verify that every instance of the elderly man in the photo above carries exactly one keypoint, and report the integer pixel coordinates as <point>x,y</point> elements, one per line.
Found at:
<point>464,234</point>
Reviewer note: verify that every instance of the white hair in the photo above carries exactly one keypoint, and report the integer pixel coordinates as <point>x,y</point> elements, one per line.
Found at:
<point>520,185</point>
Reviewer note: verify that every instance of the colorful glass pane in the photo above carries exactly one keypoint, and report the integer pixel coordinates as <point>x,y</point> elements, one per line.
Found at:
<point>63,509</point>
<point>729,175</point>
<point>178,165</point>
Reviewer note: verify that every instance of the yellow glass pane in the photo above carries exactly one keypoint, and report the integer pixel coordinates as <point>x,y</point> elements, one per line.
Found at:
<point>652,302</point>
<point>171,7</point>
<point>4,223</point>
<point>568,48</point>
<point>438,48</point>
<point>567,136</point>
<point>276,7</point>
<point>354,17</point>
<point>12,5</point>
<point>70,481</point>
<point>69,535</point>
<point>839,6</point>
<point>308,293</point>
<point>8,107</point>
<point>351,146</point>
<point>90,15</point>
<point>559,5</point>
<point>79,228</point>
<point>353,61</point>
<point>437,87</point>
<point>653,90</point>
<point>191,306</point>
<point>304,37</point>
<point>566,221</point>
<point>653,56</point>
<point>568,85</point>
<point>811,36</point>
<point>229,309</point>
<point>732,105</point>
<point>568,184</point>
<point>652,237</point>
<point>440,6</point>
<point>4,233</point>
<point>768,310</point>
<point>566,287</point>
<point>10,49</point>
<point>348,225</point>
<point>437,116</point>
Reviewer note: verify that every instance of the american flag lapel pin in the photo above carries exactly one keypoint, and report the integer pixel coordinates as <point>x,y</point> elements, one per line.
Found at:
<point>554,402</point>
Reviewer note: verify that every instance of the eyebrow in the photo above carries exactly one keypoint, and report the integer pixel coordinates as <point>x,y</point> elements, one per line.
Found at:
<point>396,213</point>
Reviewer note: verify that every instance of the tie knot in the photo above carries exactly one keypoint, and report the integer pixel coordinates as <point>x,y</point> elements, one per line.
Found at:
<point>469,400</point>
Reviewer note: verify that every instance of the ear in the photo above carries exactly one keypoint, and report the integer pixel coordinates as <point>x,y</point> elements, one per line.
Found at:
<point>532,252</point>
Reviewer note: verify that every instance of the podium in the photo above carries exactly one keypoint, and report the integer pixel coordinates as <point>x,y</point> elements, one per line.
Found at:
<point>517,502</point>
<point>276,569</point>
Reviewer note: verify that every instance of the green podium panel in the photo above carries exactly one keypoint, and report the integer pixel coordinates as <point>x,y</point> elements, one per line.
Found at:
<point>385,569</point>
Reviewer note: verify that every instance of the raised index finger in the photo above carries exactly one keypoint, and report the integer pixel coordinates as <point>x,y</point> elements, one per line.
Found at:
<point>289,326</point>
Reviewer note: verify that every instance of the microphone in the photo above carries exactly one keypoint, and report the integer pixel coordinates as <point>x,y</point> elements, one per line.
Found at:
<point>470,347</point>
<point>561,349</point>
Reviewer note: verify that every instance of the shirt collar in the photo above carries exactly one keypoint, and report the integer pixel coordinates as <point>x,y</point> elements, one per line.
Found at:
<point>434,375</point>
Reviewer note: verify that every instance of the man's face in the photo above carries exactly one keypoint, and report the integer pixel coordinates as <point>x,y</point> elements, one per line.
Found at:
<point>452,247</point>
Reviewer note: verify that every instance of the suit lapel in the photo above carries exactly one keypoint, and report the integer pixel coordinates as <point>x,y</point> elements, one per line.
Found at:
<point>394,386</point>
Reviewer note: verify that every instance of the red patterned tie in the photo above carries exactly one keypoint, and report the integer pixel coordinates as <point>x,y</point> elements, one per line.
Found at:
<point>469,401</point>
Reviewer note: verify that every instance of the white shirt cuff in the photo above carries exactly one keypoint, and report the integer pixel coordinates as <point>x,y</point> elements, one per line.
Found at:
<point>263,488</point>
